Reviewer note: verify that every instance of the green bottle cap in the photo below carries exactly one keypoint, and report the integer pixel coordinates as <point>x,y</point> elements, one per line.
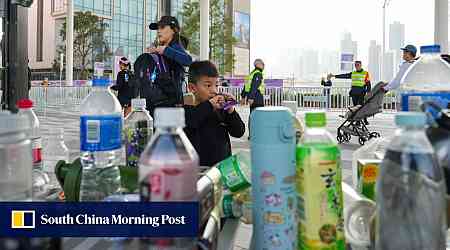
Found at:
<point>315,119</point>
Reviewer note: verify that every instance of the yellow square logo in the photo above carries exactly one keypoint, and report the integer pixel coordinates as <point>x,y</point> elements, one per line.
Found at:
<point>22,219</point>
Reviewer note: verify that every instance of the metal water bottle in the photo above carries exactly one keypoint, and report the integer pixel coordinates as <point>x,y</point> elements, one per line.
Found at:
<point>273,179</point>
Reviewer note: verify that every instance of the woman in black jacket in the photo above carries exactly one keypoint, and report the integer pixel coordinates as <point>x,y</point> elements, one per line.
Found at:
<point>126,92</point>
<point>170,47</point>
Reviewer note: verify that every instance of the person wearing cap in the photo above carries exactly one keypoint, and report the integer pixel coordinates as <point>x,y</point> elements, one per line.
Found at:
<point>125,90</point>
<point>170,46</point>
<point>409,56</point>
<point>360,84</point>
<point>254,88</point>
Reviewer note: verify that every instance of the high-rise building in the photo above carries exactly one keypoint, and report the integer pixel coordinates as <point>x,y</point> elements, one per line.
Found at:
<point>348,46</point>
<point>374,61</point>
<point>127,32</point>
<point>388,66</point>
<point>310,64</point>
<point>396,36</point>
<point>329,62</point>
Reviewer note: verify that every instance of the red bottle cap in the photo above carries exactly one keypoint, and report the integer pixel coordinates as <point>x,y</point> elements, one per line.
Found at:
<point>25,104</point>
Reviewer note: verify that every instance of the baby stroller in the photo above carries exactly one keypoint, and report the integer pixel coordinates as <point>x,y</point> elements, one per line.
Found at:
<point>354,125</point>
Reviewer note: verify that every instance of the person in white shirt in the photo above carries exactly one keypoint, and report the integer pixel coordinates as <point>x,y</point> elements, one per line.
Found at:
<point>409,56</point>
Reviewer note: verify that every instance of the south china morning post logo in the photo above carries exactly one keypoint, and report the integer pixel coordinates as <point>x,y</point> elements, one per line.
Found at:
<point>21,219</point>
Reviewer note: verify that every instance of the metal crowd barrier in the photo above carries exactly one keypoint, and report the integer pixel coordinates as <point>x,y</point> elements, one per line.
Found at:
<point>335,98</point>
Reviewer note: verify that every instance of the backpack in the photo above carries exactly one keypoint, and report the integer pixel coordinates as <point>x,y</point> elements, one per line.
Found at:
<point>155,82</point>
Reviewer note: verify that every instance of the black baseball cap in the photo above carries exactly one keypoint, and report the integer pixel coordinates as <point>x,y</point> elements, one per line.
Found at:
<point>165,20</point>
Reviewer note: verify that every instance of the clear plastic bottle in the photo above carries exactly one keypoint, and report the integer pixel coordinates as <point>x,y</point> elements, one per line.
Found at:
<point>55,150</point>
<point>168,169</point>
<point>15,158</point>
<point>26,108</point>
<point>138,131</point>
<point>428,79</point>
<point>319,178</point>
<point>100,143</point>
<point>411,191</point>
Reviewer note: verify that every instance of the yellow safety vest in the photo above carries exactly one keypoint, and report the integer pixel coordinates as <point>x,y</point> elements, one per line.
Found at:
<point>359,78</point>
<point>248,82</point>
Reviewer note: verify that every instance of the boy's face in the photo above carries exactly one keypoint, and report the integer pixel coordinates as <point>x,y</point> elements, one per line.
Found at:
<point>204,89</point>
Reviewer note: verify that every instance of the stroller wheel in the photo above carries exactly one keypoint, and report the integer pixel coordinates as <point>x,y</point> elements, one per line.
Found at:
<point>374,135</point>
<point>340,138</point>
<point>362,140</point>
<point>347,137</point>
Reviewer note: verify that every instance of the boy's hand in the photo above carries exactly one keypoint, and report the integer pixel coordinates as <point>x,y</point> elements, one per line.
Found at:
<point>217,102</point>
<point>229,97</point>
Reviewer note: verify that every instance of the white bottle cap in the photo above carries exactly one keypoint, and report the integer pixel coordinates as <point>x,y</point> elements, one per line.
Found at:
<point>169,117</point>
<point>138,104</point>
<point>12,123</point>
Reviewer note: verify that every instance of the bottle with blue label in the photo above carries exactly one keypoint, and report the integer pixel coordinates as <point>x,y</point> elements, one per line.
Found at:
<point>100,143</point>
<point>427,80</point>
<point>273,179</point>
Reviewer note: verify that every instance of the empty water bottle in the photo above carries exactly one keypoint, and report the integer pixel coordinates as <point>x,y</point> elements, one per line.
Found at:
<point>26,108</point>
<point>411,191</point>
<point>168,170</point>
<point>426,81</point>
<point>100,143</point>
<point>15,157</point>
<point>55,150</point>
<point>138,130</point>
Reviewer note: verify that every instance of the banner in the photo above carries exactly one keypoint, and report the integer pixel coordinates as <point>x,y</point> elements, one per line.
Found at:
<point>99,219</point>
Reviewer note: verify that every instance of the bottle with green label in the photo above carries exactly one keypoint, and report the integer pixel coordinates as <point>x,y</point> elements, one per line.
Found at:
<point>235,170</point>
<point>319,189</point>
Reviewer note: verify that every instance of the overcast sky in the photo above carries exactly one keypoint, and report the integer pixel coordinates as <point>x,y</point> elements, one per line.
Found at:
<point>282,25</point>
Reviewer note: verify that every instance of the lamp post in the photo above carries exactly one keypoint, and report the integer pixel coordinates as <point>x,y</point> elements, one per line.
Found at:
<point>383,46</point>
<point>69,43</point>
<point>441,24</point>
<point>204,29</point>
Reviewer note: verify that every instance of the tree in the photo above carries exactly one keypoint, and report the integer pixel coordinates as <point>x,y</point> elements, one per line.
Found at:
<point>221,32</point>
<point>89,42</point>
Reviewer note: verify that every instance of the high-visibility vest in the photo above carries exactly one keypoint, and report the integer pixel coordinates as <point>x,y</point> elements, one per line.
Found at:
<point>359,78</point>
<point>248,82</point>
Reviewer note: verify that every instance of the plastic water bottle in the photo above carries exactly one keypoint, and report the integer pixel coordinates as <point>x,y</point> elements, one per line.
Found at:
<point>273,179</point>
<point>168,169</point>
<point>15,157</point>
<point>100,143</point>
<point>55,150</point>
<point>319,178</point>
<point>138,130</point>
<point>26,108</point>
<point>428,79</point>
<point>411,208</point>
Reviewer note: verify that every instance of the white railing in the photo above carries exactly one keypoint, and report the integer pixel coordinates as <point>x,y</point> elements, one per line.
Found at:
<point>306,97</point>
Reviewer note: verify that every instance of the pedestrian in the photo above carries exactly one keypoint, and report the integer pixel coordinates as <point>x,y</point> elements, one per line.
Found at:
<point>209,122</point>
<point>170,46</point>
<point>126,92</point>
<point>254,88</point>
<point>409,57</point>
<point>360,84</point>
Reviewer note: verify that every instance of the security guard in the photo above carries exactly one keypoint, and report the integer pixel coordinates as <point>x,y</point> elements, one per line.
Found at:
<point>255,88</point>
<point>360,84</point>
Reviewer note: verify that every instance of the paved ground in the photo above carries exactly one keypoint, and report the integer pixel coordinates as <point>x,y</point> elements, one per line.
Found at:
<point>54,117</point>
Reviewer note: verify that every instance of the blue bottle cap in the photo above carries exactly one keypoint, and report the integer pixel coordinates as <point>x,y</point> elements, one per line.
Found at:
<point>411,119</point>
<point>430,49</point>
<point>100,82</point>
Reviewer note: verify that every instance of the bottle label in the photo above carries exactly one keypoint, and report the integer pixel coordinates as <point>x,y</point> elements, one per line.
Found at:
<point>232,176</point>
<point>100,133</point>
<point>36,146</point>
<point>227,206</point>
<point>412,101</point>
<point>136,140</point>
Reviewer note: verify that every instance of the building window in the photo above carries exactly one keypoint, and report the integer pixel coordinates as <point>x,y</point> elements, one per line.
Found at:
<point>40,31</point>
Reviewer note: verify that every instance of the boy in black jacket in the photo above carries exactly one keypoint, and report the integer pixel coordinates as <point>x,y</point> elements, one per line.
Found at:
<point>208,124</point>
